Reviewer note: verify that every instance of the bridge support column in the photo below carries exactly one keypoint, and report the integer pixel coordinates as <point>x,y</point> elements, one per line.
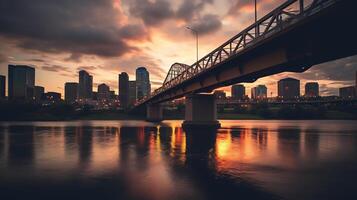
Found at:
<point>154,113</point>
<point>201,112</point>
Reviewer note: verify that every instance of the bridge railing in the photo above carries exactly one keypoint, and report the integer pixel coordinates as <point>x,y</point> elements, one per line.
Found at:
<point>277,20</point>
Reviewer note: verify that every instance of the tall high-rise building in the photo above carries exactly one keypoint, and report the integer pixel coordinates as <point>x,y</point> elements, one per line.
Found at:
<point>85,86</point>
<point>70,92</point>
<point>143,86</point>
<point>124,89</point>
<point>238,91</point>
<point>312,89</point>
<point>39,93</point>
<point>21,82</point>
<point>259,92</point>
<point>288,88</point>
<point>347,92</point>
<point>132,92</point>
<point>103,92</point>
<point>2,86</point>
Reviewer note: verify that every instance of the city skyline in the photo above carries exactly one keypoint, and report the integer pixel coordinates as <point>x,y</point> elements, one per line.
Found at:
<point>287,88</point>
<point>145,40</point>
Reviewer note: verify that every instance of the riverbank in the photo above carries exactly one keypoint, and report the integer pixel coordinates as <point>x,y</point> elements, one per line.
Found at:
<point>112,115</point>
<point>64,112</point>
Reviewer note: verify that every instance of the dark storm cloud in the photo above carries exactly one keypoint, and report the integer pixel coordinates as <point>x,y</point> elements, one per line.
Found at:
<point>207,24</point>
<point>264,6</point>
<point>189,8</point>
<point>78,27</point>
<point>236,6</point>
<point>75,57</point>
<point>55,68</point>
<point>151,12</point>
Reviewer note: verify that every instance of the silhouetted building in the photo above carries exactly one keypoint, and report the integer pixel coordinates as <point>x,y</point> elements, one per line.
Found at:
<point>39,92</point>
<point>95,95</point>
<point>21,82</point>
<point>238,91</point>
<point>289,88</point>
<point>2,86</point>
<point>219,94</point>
<point>348,92</point>
<point>143,86</point>
<point>124,89</point>
<point>85,86</point>
<point>259,92</point>
<point>103,92</point>
<point>53,97</point>
<point>70,92</point>
<point>112,94</point>
<point>132,92</point>
<point>312,89</point>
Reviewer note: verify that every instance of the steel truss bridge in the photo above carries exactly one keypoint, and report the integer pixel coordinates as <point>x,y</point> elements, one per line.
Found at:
<point>291,38</point>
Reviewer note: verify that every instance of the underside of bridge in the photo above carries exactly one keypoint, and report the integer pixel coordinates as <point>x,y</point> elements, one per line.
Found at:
<point>325,36</point>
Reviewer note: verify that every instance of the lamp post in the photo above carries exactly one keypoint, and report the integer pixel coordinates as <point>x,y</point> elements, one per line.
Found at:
<point>256,18</point>
<point>196,33</point>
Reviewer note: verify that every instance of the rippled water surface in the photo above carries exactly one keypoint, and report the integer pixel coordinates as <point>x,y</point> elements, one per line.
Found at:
<point>139,160</point>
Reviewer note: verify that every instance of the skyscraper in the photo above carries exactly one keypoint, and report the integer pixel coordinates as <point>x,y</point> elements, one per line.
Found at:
<point>238,91</point>
<point>2,86</point>
<point>288,88</point>
<point>70,92</point>
<point>21,82</point>
<point>347,92</point>
<point>312,89</point>
<point>103,92</point>
<point>39,93</point>
<point>124,89</point>
<point>85,86</point>
<point>143,85</point>
<point>132,92</point>
<point>259,92</point>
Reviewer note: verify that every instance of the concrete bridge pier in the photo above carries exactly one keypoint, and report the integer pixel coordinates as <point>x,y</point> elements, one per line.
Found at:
<point>201,112</point>
<point>154,113</point>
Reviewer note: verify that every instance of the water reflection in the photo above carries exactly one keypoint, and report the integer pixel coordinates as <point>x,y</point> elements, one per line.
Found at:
<point>20,146</point>
<point>111,160</point>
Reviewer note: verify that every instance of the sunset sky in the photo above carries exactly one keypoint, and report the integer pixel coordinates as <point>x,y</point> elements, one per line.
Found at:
<point>106,37</point>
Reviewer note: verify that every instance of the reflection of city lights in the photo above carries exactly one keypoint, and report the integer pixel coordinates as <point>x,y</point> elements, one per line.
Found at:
<point>223,145</point>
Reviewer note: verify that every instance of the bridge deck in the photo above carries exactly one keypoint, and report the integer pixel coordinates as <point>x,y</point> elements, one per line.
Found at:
<point>290,35</point>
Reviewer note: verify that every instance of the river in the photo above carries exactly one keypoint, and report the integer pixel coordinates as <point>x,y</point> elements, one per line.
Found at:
<point>244,159</point>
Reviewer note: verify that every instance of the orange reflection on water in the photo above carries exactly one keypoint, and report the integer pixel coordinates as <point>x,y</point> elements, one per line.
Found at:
<point>105,150</point>
<point>224,145</point>
<point>238,146</point>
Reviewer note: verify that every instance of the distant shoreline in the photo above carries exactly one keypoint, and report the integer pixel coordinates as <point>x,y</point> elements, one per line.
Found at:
<point>123,116</point>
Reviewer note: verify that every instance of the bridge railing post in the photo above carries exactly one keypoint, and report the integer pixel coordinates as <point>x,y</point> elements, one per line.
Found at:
<point>301,4</point>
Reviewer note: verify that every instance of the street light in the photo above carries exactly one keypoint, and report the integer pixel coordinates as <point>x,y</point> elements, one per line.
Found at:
<point>255,10</point>
<point>196,33</point>
<point>256,18</point>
